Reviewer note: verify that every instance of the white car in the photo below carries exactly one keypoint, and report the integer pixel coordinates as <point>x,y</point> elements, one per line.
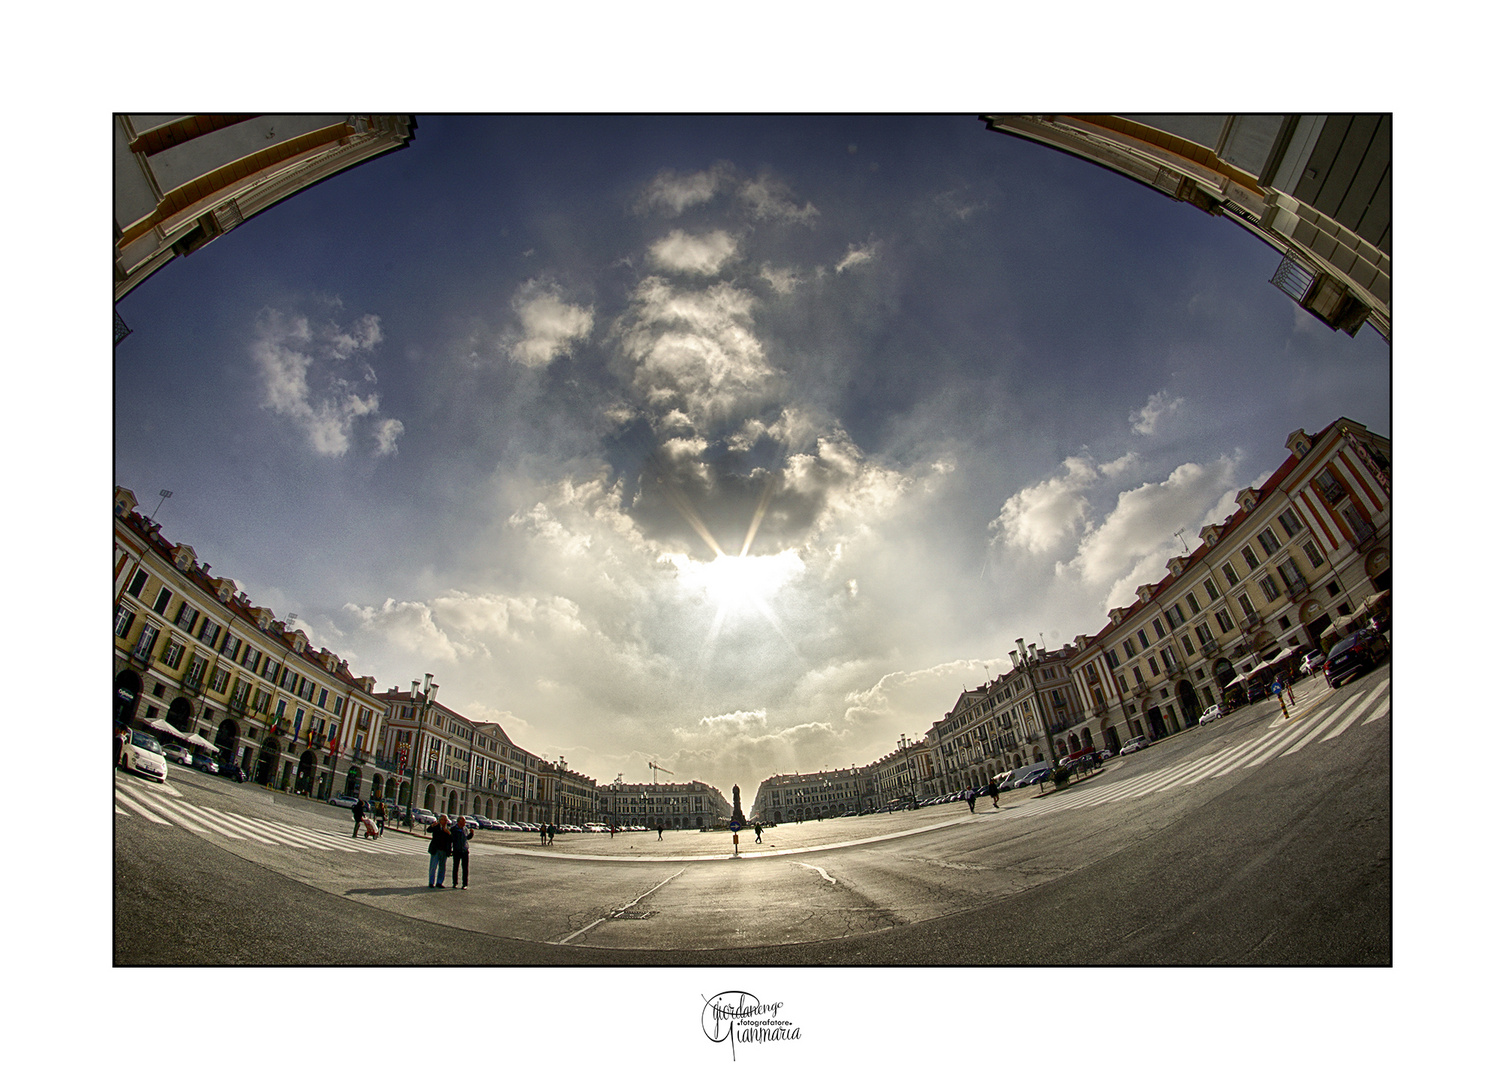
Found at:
<point>1212,712</point>
<point>1313,662</point>
<point>346,801</point>
<point>143,754</point>
<point>180,754</point>
<point>1138,742</point>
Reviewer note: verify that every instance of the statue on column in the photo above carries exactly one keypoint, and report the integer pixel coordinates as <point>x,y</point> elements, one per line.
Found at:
<point>737,818</point>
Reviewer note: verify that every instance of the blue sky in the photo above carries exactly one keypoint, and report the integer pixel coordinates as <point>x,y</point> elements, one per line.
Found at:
<point>491,406</point>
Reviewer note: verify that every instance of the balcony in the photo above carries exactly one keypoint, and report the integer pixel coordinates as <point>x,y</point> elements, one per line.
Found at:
<point>1253,622</point>
<point>1296,589</point>
<point>1363,536</point>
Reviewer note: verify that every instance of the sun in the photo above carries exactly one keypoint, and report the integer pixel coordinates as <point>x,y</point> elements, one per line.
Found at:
<point>741,584</point>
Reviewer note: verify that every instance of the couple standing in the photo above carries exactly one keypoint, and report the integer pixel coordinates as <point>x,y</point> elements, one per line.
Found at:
<point>451,840</point>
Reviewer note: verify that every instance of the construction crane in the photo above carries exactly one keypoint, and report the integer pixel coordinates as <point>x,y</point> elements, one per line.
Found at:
<point>658,769</point>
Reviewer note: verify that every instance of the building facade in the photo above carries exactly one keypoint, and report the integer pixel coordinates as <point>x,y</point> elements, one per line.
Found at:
<point>450,764</point>
<point>1316,188</point>
<point>199,663</point>
<point>794,797</point>
<point>690,805</point>
<point>181,181</point>
<point>1298,561</point>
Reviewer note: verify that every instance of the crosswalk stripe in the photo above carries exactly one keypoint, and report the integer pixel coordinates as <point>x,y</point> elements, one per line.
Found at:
<point>1207,765</point>
<point>121,796</point>
<point>1317,729</point>
<point>179,812</point>
<point>240,831</point>
<point>1382,688</point>
<point>1277,739</point>
<point>176,816</point>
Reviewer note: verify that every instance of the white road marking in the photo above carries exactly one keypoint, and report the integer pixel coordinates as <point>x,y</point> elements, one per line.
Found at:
<point>829,879</point>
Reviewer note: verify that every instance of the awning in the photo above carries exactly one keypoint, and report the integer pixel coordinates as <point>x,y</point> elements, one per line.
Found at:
<point>164,727</point>
<point>203,743</point>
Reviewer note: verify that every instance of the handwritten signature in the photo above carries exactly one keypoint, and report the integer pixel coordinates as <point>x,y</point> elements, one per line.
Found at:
<point>736,1016</point>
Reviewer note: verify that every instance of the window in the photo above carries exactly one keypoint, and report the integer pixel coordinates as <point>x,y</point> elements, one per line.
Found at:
<point>1168,658</point>
<point>219,681</point>
<point>1138,678</point>
<point>145,642</point>
<point>1249,557</point>
<point>1212,590</point>
<point>195,674</point>
<point>1159,628</point>
<point>1291,575</point>
<point>1330,487</point>
<point>172,656</point>
<point>1191,602</point>
<point>186,618</point>
<point>1246,605</point>
<point>1270,589</point>
<point>163,599</point>
<point>251,658</point>
<point>1268,541</point>
<point>231,646</point>
<point>124,616</point>
<point>1129,650</point>
<point>1174,617</point>
<point>1144,640</point>
<point>1225,623</point>
<point>1290,522</point>
<point>137,584</point>
<point>1230,573</point>
<point>323,697</point>
<point>1186,645</point>
<point>1112,663</point>
<point>1313,555</point>
<point>1204,635</point>
<point>208,633</point>
<point>269,672</point>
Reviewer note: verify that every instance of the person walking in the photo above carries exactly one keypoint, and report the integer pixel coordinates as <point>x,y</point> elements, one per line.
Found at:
<point>381,818</point>
<point>993,791</point>
<point>552,831</point>
<point>757,832</point>
<point>972,800</point>
<point>543,835</point>
<point>660,832</point>
<point>459,851</point>
<point>439,848</point>
<point>359,810</point>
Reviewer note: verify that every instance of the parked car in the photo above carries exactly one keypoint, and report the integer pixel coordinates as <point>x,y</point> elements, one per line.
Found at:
<point>1035,774</point>
<point>1312,662</point>
<point>206,764</point>
<point>180,754</point>
<point>1138,742</point>
<point>346,801</point>
<point>143,754</point>
<point>1257,691</point>
<point>423,817</point>
<point>1211,713</point>
<point>1353,656</point>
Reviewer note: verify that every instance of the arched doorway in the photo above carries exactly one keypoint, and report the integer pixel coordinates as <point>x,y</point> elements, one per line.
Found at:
<point>353,781</point>
<point>376,786</point>
<point>307,764</point>
<point>1074,742</point>
<point>1110,739</point>
<point>127,694</point>
<point>405,793</point>
<point>180,715</point>
<point>226,738</point>
<point>1188,695</point>
<point>391,791</point>
<point>428,797</point>
<point>266,763</point>
<point>1156,722</point>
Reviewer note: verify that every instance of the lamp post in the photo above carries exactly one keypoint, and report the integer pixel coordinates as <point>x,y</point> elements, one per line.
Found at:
<point>904,745</point>
<point>559,794</point>
<point>420,707</point>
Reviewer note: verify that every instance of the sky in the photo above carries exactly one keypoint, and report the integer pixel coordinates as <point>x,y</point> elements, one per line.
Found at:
<point>739,445</point>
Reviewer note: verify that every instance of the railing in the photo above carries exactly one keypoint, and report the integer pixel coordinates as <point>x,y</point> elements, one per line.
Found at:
<point>1295,589</point>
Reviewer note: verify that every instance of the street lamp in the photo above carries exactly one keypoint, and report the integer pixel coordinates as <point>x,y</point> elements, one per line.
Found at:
<point>904,745</point>
<point>559,794</point>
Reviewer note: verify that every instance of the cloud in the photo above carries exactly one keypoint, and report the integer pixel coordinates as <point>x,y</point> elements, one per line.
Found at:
<point>782,281</point>
<point>705,254</point>
<point>677,192</point>
<point>550,326</point>
<point>1142,525</point>
<point>1161,406</point>
<point>769,198</point>
<point>856,255</point>
<point>1039,518</point>
<point>310,373</point>
<point>408,626</point>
